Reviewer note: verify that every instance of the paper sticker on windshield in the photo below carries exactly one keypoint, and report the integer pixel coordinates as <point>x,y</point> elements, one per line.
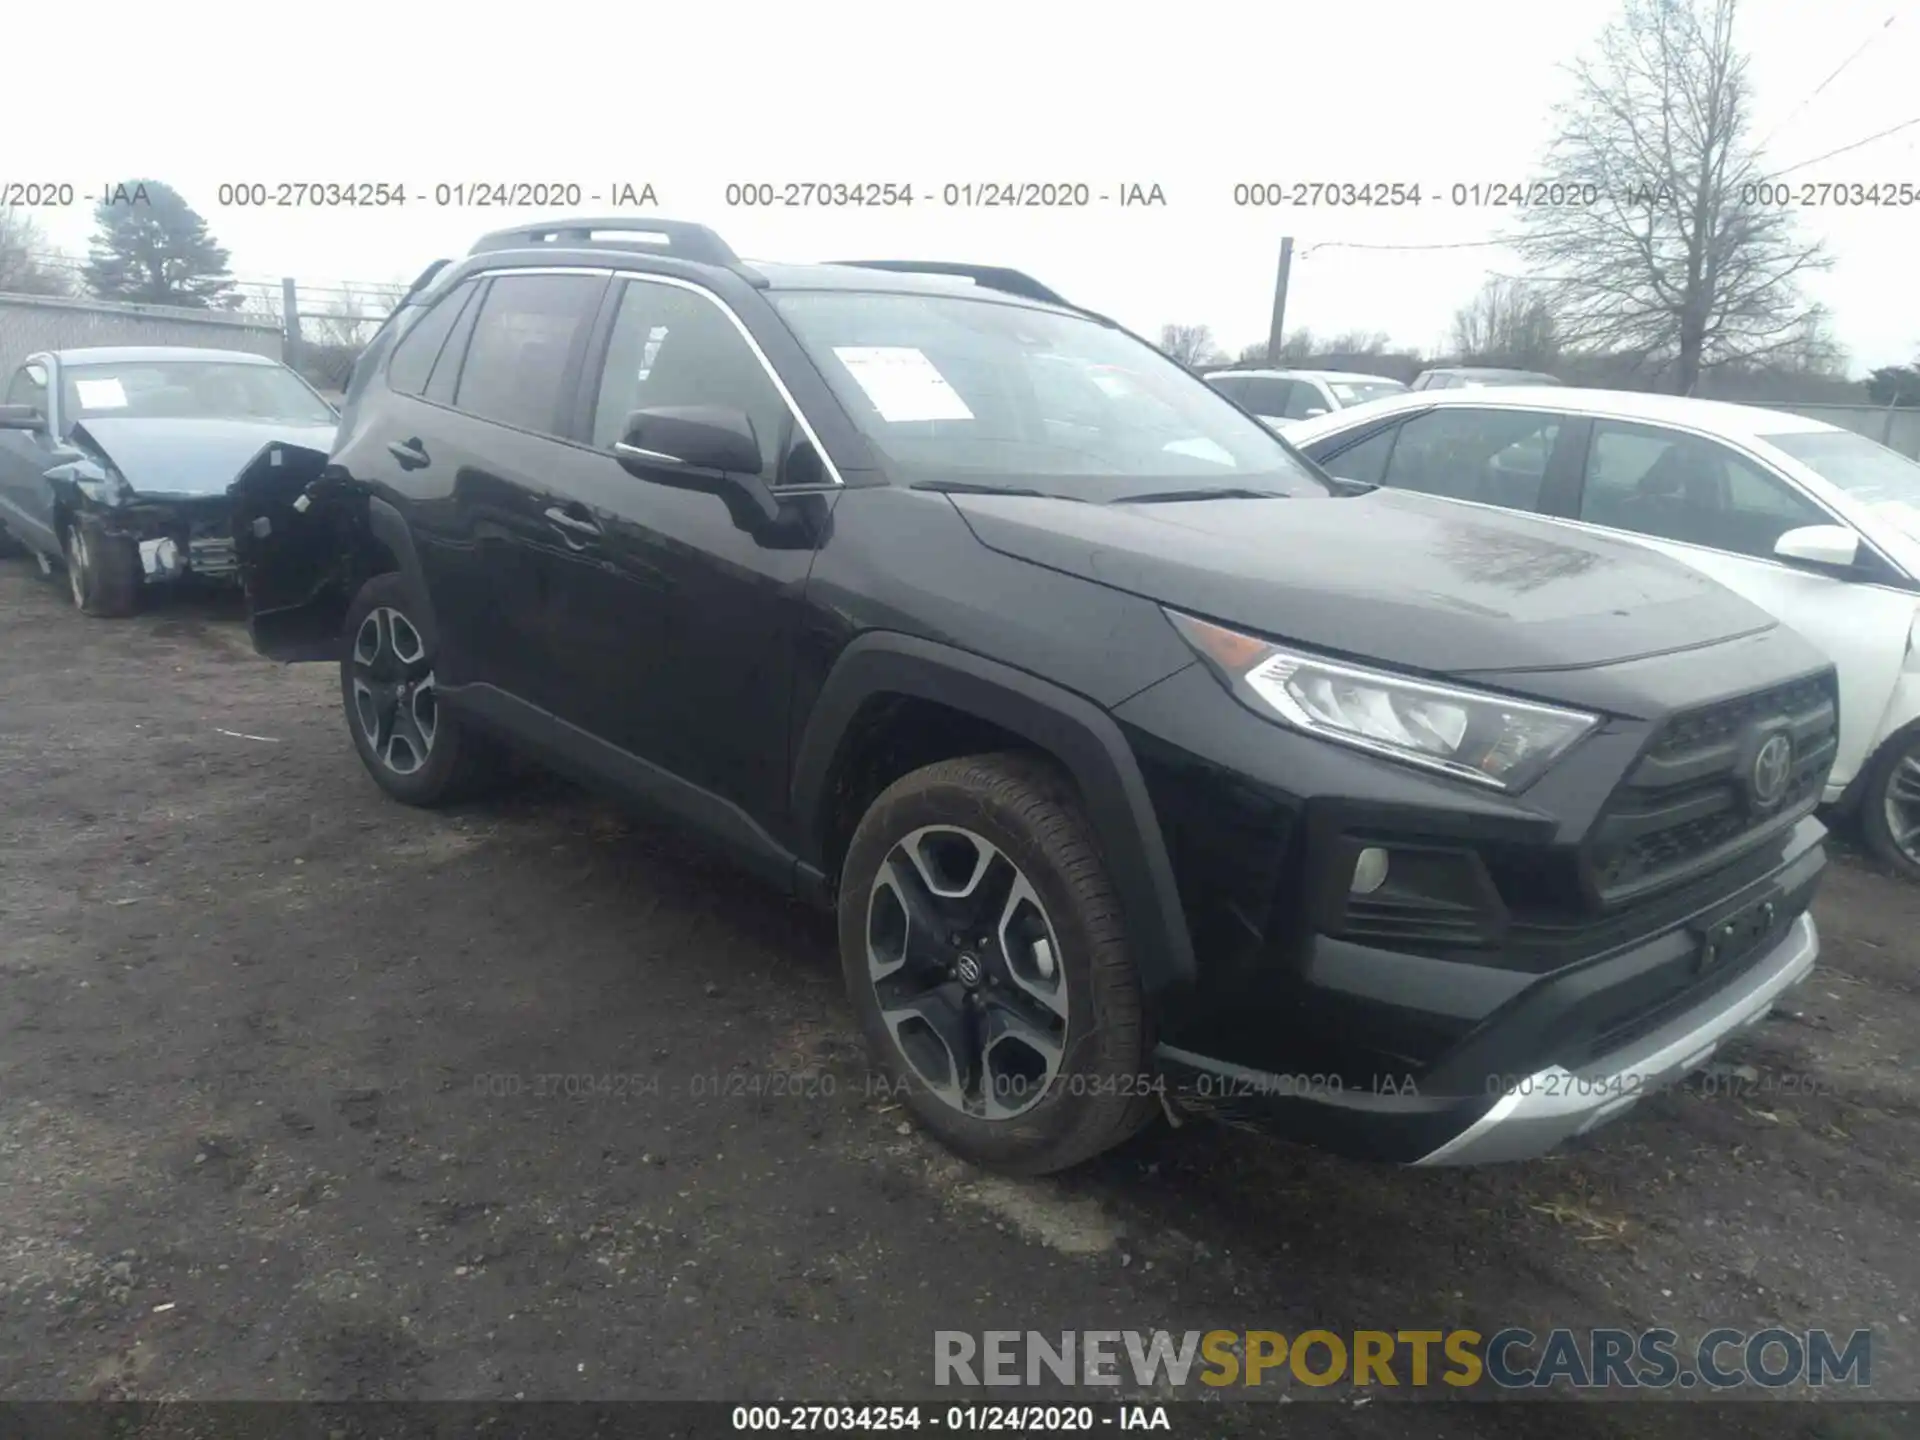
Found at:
<point>100,394</point>
<point>902,383</point>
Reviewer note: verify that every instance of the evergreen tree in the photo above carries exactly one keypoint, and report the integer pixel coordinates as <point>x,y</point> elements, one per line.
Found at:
<point>154,248</point>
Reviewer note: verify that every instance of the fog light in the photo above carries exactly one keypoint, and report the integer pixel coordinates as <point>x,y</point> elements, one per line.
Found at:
<point>1369,870</point>
<point>160,559</point>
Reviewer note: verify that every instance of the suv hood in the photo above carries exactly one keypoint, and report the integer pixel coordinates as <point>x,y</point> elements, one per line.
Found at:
<point>1389,576</point>
<point>190,457</point>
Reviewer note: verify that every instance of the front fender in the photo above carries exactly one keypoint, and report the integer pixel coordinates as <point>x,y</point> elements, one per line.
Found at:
<point>1078,734</point>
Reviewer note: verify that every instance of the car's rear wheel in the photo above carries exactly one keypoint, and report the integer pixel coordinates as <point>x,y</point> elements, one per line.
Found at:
<point>414,749</point>
<point>103,571</point>
<point>984,953</point>
<point>1890,804</point>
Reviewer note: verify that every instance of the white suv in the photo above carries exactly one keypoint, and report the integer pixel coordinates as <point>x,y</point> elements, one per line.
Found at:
<point>1817,525</point>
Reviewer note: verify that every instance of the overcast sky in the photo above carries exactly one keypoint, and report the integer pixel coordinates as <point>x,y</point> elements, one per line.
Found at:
<point>1192,97</point>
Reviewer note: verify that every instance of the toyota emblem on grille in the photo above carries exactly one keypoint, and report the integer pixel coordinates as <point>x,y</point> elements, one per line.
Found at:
<point>1770,767</point>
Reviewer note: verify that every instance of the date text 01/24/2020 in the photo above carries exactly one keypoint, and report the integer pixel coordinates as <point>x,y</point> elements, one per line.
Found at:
<point>462,194</point>
<point>1008,1419</point>
<point>958,195</point>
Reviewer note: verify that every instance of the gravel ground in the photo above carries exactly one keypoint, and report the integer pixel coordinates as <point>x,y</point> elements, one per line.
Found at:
<point>270,1123</point>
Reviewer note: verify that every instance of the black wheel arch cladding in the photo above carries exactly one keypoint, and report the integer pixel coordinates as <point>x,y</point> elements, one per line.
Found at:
<point>1081,738</point>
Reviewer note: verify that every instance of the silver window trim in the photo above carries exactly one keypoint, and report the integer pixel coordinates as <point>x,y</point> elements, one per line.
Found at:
<point>739,325</point>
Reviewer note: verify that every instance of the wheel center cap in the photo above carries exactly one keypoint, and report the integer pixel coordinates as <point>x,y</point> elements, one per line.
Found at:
<point>970,971</point>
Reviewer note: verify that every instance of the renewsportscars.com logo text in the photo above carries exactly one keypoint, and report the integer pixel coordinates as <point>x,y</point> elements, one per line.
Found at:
<point>1597,1359</point>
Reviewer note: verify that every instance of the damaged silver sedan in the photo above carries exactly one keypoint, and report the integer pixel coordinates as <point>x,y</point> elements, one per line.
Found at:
<point>117,464</point>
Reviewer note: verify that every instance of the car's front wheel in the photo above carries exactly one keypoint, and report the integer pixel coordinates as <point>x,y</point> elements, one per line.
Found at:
<point>1890,804</point>
<point>417,751</point>
<point>984,953</point>
<point>103,571</point>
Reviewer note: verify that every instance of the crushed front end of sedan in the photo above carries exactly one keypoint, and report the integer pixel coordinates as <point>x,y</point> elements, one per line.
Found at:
<point>118,463</point>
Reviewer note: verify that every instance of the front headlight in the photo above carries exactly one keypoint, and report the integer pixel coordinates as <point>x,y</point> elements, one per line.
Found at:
<point>1490,739</point>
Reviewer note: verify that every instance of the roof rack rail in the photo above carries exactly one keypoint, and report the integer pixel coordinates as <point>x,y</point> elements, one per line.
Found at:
<point>993,277</point>
<point>683,239</point>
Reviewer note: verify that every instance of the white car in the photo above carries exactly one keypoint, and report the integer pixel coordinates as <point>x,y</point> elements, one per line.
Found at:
<point>1817,525</point>
<point>1278,396</point>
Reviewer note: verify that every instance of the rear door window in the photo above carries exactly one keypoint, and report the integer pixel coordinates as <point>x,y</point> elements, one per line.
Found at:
<point>1494,457</point>
<point>413,358</point>
<point>527,338</point>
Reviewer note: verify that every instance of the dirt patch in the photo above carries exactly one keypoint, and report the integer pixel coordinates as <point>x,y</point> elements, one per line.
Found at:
<point>378,1104</point>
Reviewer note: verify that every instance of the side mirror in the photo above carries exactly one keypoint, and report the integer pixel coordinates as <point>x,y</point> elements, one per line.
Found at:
<point>1313,411</point>
<point>21,417</point>
<point>712,438</point>
<point>1832,547</point>
<point>710,448</point>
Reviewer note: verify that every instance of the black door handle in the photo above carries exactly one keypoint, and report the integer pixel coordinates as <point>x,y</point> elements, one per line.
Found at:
<point>410,453</point>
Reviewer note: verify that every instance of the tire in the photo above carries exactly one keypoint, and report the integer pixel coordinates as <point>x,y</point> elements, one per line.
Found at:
<point>417,752</point>
<point>1031,1116</point>
<point>1893,786</point>
<point>103,571</point>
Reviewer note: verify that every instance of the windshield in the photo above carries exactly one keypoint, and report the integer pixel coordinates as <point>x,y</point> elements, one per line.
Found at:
<point>954,389</point>
<point>190,390</point>
<point>1358,392</point>
<point>1867,471</point>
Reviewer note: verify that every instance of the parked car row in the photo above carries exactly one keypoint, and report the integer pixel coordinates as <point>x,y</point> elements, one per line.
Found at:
<point>1147,766</point>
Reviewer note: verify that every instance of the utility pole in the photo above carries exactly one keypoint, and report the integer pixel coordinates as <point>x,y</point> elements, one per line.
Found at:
<point>1280,301</point>
<point>290,321</point>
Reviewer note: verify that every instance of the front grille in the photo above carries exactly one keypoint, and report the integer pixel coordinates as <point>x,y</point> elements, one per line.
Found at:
<point>212,553</point>
<point>1688,804</point>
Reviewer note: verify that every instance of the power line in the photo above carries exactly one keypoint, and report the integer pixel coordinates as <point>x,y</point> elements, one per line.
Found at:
<point>1814,94</point>
<point>1842,150</point>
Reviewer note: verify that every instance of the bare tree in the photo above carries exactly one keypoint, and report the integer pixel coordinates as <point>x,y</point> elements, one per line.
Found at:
<point>1675,259</point>
<point>28,264</point>
<point>349,314</point>
<point>1192,345</point>
<point>1354,342</point>
<point>1297,346</point>
<point>1509,322</point>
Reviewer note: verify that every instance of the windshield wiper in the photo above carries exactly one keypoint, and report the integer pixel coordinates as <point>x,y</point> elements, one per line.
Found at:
<point>975,487</point>
<point>1218,492</point>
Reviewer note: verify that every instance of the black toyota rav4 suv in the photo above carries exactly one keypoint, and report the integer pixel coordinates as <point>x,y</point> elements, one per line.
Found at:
<point>1146,766</point>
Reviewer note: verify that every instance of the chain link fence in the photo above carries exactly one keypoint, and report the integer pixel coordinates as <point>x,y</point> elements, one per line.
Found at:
<point>330,325</point>
<point>30,323</point>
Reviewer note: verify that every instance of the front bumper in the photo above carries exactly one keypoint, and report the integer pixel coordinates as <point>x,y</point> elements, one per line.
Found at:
<point>177,537</point>
<point>1476,1107</point>
<point>1543,1110</point>
<point>167,558</point>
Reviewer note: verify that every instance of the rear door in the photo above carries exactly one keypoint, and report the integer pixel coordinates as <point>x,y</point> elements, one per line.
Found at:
<point>479,455</point>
